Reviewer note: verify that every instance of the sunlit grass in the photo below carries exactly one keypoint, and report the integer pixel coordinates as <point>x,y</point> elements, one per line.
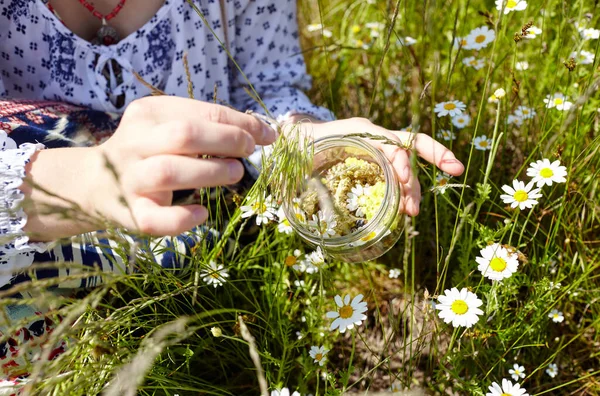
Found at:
<point>403,343</point>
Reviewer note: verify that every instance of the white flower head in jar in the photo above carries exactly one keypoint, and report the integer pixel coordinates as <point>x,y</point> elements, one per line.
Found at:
<point>323,224</point>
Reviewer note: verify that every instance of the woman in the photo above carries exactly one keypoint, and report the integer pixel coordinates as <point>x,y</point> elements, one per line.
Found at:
<point>87,54</point>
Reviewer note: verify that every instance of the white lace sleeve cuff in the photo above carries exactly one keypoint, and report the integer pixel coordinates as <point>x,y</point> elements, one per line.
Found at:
<point>16,252</point>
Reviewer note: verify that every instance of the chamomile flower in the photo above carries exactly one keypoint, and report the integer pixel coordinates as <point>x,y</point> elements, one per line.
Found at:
<point>357,199</point>
<point>451,108</point>
<point>533,32</point>
<point>378,26</point>
<point>406,41</point>
<point>462,120</point>
<point>442,179</point>
<point>507,389</point>
<point>314,261</point>
<point>523,65</point>
<point>348,313</point>
<point>215,275</point>
<point>500,93</point>
<point>479,38</point>
<point>583,57</point>
<point>511,5</point>
<point>263,208</point>
<point>493,99</point>
<point>556,316</point>
<point>394,273</point>
<point>292,260</point>
<point>552,370</point>
<point>475,63</point>
<point>517,372</point>
<point>446,135</point>
<point>461,308</point>
<point>323,224</point>
<point>515,119</point>
<point>557,101</point>
<point>284,225</point>
<point>482,143</point>
<point>497,262</point>
<point>520,194</point>
<point>460,42</point>
<point>546,173</point>
<point>318,353</point>
<point>317,27</point>
<point>590,34</point>
<point>284,392</point>
<point>525,112</point>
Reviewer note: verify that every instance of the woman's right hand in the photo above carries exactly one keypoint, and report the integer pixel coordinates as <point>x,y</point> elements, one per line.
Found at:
<point>154,152</point>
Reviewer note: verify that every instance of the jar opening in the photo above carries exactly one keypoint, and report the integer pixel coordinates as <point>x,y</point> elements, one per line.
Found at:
<point>348,199</point>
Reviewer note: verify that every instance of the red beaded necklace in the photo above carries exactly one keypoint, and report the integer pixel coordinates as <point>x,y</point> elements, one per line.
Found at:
<point>106,35</point>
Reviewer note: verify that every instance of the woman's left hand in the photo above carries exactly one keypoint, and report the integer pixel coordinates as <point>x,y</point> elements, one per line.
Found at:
<point>424,146</point>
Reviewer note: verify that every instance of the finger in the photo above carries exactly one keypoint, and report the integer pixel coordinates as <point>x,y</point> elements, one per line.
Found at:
<point>153,219</point>
<point>188,138</point>
<point>174,172</point>
<point>164,109</point>
<point>411,199</point>
<point>433,152</point>
<point>400,162</point>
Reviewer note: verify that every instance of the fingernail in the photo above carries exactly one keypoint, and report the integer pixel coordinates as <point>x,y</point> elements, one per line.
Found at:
<point>269,134</point>
<point>406,173</point>
<point>236,171</point>
<point>451,161</point>
<point>250,145</point>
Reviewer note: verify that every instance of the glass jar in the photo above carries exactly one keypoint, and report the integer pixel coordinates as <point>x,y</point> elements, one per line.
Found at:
<point>385,227</point>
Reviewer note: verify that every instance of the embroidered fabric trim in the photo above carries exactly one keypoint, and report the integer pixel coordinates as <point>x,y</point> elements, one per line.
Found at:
<point>15,242</point>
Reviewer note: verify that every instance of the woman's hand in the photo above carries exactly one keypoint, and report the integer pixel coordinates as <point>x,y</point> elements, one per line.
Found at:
<point>154,151</point>
<point>424,146</point>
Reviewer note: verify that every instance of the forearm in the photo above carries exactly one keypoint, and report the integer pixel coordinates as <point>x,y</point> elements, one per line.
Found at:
<point>58,188</point>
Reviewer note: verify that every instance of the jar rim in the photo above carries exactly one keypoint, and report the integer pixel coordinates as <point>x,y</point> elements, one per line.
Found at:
<point>389,174</point>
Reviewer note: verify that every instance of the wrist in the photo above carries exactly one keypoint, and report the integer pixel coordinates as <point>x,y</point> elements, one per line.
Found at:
<point>60,187</point>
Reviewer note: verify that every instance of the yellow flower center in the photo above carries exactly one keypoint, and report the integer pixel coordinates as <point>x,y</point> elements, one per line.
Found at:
<point>215,275</point>
<point>450,106</point>
<point>525,111</point>
<point>506,394</point>
<point>546,173</point>
<point>443,182</point>
<point>511,4</point>
<point>359,43</point>
<point>459,307</point>
<point>480,39</point>
<point>346,312</point>
<point>290,261</point>
<point>521,196</point>
<point>355,29</point>
<point>259,207</point>
<point>483,143</point>
<point>463,42</point>
<point>318,356</point>
<point>498,264</point>
<point>558,101</point>
<point>368,237</point>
